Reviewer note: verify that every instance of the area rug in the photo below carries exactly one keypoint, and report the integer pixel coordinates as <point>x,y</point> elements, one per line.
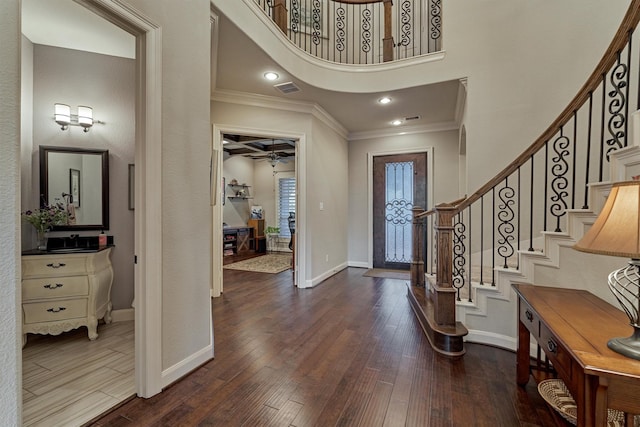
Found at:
<point>387,274</point>
<point>270,263</point>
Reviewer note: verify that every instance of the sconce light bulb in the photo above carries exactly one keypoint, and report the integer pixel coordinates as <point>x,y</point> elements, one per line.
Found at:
<point>62,115</point>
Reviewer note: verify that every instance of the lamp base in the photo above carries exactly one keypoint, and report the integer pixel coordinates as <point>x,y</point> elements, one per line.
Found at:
<point>629,346</point>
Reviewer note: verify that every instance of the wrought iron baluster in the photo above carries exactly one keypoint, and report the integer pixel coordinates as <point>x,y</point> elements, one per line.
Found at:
<point>482,239</point>
<point>618,100</point>
<point>575,154</point>
<point>341,16</point>
<point>493,237</point>
<point>626,105</point>
<point>505,216</point>
<point>546,183</point>
<point>559,183</point>
<point>294,16</point>
<point>316,23</point>
<point>586,175</point>
<point>531,209</point>
<point>602,110</point>
<point>518,221</point>
<point>435,10</point>
<point>366,33</point>
<point>458,255</point>
<point>469,254</point>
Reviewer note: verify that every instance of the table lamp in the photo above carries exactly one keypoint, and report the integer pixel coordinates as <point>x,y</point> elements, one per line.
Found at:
<point>616,232</point>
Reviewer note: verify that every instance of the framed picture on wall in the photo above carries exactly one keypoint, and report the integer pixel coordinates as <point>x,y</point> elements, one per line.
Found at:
<point>74,187</point>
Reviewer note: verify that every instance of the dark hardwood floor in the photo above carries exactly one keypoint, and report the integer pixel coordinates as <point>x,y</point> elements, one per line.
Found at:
<point>348,352</point>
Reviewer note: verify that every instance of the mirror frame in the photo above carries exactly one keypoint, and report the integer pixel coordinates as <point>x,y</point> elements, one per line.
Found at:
<point>44,184</point>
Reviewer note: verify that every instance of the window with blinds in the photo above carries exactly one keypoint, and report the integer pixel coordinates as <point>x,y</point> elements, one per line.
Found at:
<point>286,203</point>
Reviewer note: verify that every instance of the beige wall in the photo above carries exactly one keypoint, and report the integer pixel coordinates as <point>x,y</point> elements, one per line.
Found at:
<point>105,83</point>
<point>10,314</point>
<point>444,173</point>
<point>186,154</point>
<point>325,174</point>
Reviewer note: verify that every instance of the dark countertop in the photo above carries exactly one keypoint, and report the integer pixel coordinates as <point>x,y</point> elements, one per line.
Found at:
<point>65,251</point>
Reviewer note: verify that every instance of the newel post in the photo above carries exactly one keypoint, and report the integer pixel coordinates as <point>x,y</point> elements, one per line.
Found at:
<point>387,41</point>
<point>444,295</point>
<point>280,15</point>
<point>417,263</point>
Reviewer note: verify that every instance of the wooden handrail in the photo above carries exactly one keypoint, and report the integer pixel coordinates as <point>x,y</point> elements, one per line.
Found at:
<point>630,21</point>
<point>432,211</point>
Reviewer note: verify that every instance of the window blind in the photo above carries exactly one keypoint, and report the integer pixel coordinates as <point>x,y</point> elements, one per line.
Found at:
<point>286,203</point>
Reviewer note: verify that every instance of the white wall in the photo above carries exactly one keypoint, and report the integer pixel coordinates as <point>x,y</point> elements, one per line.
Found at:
<point>445,179</point>
<point>236,211</point>
<point>106,83</point>
<point>10,298</point>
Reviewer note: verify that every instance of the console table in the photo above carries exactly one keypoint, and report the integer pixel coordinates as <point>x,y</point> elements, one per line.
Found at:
<point>573,327</point>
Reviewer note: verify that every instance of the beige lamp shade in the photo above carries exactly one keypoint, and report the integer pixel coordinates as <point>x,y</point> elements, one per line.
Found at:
<point>616,231</point>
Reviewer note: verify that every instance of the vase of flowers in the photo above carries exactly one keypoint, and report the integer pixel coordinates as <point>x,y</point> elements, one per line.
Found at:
<point>43,219</point>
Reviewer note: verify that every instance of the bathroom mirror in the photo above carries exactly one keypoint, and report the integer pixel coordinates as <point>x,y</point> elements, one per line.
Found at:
<point>79,180</point>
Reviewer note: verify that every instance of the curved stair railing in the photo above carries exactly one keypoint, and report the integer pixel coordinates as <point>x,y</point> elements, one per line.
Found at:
<point>531,197</point>
<point>359,31</point>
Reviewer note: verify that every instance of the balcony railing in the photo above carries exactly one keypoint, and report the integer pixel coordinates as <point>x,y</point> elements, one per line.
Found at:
<point>359,31</point>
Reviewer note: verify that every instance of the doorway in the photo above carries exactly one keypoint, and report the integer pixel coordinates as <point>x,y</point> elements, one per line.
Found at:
<point>399,184</point>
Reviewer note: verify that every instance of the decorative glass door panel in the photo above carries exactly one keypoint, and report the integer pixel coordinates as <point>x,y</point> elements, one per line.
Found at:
<point>398,205</point>
<point>399,184</point>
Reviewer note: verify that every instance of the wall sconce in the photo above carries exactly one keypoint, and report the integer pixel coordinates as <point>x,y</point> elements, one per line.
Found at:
<point>63,117</point>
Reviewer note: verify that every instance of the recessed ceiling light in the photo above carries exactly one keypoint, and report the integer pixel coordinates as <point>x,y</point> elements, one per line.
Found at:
<point>270,75</point>
<point>396,122</point>
<point>384,100</point>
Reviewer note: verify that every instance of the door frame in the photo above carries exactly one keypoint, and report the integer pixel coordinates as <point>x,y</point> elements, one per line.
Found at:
<point>217,285</point>
<point>429,185</point>
<point>148,182</point>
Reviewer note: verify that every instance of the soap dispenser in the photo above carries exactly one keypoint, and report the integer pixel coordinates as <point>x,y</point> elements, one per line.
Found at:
<point>102,239</point>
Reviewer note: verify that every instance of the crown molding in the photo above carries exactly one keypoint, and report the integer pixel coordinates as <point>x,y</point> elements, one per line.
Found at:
<point>272,102</point>
<point>408,130</point>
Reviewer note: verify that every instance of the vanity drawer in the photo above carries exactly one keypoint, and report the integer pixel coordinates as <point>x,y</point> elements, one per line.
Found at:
<point>43,265</point>
<point>530,319</point>
<point>558,355</point>
<point>54,287</point>
<point>50,311</point>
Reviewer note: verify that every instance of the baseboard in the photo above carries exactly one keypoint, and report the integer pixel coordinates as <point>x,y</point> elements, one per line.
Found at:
<point>123,315</point>
<point>358,264</point>
<point>490,338</point>
<point>324,276</point>
<point>185,366</point>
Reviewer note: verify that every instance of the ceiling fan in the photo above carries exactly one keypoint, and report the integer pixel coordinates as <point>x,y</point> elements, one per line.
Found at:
<point>274,158</point>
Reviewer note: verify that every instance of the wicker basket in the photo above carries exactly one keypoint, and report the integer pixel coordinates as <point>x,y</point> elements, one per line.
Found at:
<point>556,394</point>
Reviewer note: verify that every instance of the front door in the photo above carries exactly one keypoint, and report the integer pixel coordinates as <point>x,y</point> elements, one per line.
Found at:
<point>399,184</point>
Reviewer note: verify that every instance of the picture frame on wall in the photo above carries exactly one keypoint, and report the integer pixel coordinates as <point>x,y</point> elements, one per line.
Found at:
<point>74,187</point>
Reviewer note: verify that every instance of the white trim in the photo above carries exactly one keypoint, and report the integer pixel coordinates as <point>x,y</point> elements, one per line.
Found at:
<point>275,103</point>
<point>404,130</point>
<point>123,315</point>
<point>182,368</point>
<point>301,186</point>
<point>148,183</point>
<point>490,338</point>
<point>357,264</point>
<point>430,186</point>
<point>324,276</point>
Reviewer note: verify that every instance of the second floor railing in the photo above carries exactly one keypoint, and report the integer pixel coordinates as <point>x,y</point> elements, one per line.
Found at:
<point>359,31</point>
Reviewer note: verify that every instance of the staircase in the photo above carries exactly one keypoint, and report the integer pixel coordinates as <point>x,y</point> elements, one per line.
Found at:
<point>521,225</point>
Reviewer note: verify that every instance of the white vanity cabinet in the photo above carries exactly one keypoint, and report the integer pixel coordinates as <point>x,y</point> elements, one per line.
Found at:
<point>61,292</point>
